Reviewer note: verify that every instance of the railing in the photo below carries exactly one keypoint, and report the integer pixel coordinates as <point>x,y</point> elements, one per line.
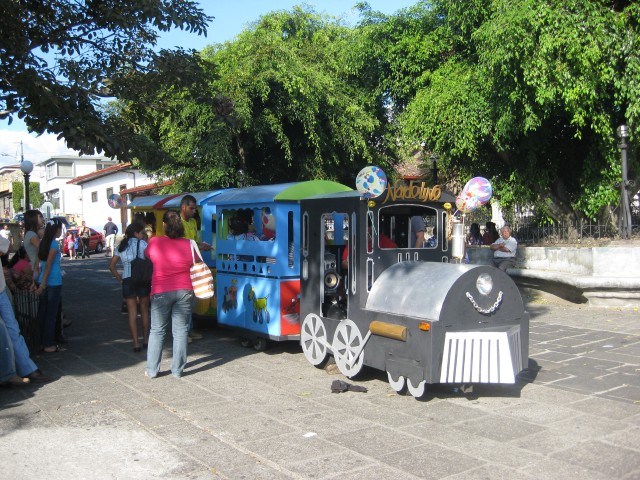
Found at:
<point>581,232</point>
<point>26,311</point>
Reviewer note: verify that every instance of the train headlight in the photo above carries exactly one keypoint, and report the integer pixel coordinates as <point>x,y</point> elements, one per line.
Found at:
<point>484,283</point>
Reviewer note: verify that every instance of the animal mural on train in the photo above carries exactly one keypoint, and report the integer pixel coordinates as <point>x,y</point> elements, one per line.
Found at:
<point>346,273</point>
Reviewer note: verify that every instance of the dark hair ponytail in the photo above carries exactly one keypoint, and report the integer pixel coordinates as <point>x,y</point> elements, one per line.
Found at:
<point>50,234</point>
<point>129,233</point>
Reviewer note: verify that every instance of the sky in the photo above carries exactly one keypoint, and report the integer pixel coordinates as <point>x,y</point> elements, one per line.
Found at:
<point>230,19</point>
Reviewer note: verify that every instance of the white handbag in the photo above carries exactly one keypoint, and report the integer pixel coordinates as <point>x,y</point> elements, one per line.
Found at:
<point>201,276</point>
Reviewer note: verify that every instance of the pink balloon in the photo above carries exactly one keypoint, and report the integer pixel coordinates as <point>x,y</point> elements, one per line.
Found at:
<point>480,188</point>
<point>467,202</point>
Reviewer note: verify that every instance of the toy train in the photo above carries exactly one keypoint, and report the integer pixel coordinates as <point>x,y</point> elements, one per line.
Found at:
<point>315,262</point>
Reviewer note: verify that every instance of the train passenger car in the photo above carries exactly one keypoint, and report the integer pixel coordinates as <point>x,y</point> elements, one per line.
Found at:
<point>258,260</point>
<point>372,294</point>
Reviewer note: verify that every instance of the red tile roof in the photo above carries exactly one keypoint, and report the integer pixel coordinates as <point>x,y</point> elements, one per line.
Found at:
<point>100,173</point>
<point>146,188</point>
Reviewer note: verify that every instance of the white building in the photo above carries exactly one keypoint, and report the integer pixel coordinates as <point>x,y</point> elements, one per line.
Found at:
<point>94,190</point>
<point>54,174</point>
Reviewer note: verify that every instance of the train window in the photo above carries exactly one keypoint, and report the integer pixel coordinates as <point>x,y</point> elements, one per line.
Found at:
<point>408,226</point>
<point>445,233</point>
<point>305,234</point>
<point>353,253</point>
<point>290,245</point>
<point>251,224</point>
<point>370,231</point>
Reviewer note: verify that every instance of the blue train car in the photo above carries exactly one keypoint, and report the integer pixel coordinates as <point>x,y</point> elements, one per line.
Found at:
<point>257,258</point>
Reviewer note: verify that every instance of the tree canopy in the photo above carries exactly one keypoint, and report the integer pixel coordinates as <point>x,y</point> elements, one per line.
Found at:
<point>527,93</point>
<point>530,95</point>
<point>282,108</point>
<point>60,58</point>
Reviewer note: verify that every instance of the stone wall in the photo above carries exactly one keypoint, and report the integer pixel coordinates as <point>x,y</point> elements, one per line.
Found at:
<point>599,276</point>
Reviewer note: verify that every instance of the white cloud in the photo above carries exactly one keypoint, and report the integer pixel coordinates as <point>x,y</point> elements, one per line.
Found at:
<point>34,148</point>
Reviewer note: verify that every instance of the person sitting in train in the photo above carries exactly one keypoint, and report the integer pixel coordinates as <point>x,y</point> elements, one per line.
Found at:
<point>417,232</point>
<point>239,229</point>
<point>432,241</point>
<point>383,241</point>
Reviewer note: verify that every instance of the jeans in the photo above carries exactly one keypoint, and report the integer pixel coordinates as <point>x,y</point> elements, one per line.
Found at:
<point>7,359</point>
<point>47,312</point>
<point>24,364</point>
<point>174,306</point>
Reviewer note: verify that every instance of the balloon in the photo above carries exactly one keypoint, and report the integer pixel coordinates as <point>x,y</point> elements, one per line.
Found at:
<point>371,182</point>
<point>115,200</point>
<point>480,188</point>
<point>466,202</point>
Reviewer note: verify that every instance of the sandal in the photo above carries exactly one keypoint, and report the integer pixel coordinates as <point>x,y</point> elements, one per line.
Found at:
<point>38,377</point>
<point>16,382</point>
<point>56,348</point>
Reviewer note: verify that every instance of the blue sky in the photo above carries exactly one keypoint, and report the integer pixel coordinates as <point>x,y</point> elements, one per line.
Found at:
<point>230,19</point>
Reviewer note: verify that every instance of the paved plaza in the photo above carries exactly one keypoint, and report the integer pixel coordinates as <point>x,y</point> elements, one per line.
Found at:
<point>242,414</point>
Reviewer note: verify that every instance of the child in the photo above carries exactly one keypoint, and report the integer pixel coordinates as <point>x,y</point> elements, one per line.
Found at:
<point>21,271</point>
<point>50,285</point>
<point>71,245</point>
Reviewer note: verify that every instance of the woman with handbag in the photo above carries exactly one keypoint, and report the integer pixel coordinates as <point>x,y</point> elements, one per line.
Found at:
<point>131,250</point>
<point>171,294</point>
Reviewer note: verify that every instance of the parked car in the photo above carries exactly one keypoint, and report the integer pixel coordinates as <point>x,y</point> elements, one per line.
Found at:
<point>96,241</point>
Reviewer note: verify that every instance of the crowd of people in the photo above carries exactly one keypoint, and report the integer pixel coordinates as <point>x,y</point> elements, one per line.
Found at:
<point>168,297</point>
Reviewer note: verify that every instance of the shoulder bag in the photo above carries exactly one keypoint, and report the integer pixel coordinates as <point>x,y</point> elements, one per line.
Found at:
<point>141,270</point>
<point>201,277</point>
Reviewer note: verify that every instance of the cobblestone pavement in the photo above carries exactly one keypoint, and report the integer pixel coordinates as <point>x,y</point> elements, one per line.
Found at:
<point>242,414</point>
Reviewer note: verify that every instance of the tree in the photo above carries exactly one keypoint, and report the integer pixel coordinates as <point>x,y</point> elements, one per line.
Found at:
<point>35,197</point>
<point>278,105</point>
<point>526,92</point>
<point>59,59</point>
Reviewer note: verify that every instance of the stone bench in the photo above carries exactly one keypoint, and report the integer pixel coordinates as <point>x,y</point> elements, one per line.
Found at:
<point>599,276</point>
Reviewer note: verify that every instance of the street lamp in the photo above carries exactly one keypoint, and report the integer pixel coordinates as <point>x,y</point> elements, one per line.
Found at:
<point>26,167</point>
<point>625,210</point>
<point>434,163</point>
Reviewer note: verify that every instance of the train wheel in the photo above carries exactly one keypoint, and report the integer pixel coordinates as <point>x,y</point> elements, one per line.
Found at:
<point>260,344</point>
<point>419,390</point>
<point>245,342</point>
<point>313,339</point>
<point>399,385</point>
<point>348,348</point>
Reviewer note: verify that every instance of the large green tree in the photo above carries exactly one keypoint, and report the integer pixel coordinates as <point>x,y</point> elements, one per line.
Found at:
<point>279,105</point>
<point>525,92</point>
<point>60,58</point>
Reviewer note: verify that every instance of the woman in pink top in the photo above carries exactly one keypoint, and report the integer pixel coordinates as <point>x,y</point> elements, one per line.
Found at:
<point>171,294</point>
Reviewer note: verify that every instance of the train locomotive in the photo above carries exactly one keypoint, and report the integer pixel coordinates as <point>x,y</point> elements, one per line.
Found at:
<point>315,262</point>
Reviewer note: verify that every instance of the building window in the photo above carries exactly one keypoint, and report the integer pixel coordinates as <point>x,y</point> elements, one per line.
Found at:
<point>56,169</point>
<point>103,165</point>
<point>94,197</point>
<point>123,187</point>
<point>109,191</point>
